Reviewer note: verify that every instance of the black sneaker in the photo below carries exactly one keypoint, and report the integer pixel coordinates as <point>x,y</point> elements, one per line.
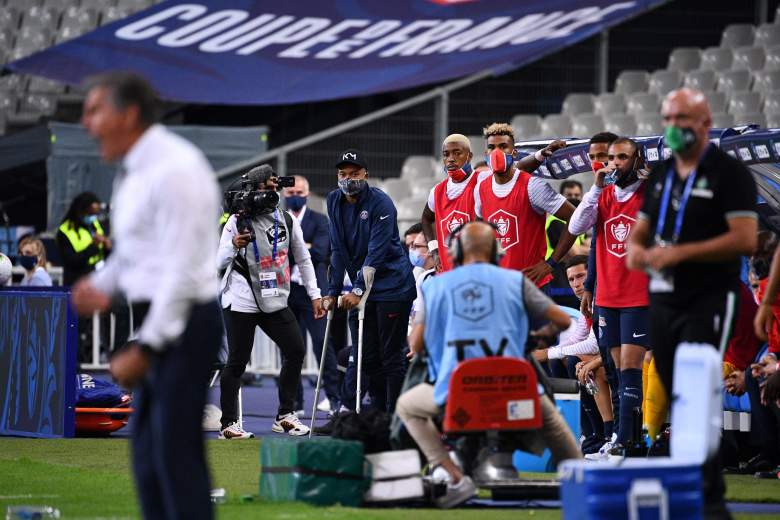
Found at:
<point>327,428</point>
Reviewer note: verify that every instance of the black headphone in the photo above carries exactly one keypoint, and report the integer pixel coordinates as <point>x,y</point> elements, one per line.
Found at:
<point>455,245</point>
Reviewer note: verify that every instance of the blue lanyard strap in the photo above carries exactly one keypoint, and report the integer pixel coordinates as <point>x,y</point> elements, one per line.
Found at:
<point>666,197</point>
<point>276,239</point>
<point>276,232</point>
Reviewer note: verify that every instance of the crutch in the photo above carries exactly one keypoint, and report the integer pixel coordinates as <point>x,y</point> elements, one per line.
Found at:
<point>368,279</point>
<point>322,366</point>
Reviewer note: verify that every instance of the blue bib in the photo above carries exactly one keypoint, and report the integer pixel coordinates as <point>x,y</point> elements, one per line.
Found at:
<point>473,311</point>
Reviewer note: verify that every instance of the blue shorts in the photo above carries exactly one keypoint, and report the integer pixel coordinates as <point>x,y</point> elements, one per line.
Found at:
<point>627,326</point>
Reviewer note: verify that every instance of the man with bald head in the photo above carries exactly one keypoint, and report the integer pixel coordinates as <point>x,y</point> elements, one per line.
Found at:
<point>451,202</point>
<point>477,309</point>
<point>698,218</point>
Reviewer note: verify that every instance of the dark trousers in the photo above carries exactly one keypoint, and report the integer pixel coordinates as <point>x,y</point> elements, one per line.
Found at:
<point>283,330</point>
<point>167,440</point>
<point>764,422</point>
<point>300,304</point>
<point>610,369</point>
<point>695,322</point>
<point>384,338</point>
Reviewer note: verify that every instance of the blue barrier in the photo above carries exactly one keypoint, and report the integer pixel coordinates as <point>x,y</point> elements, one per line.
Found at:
<point>38,344</point>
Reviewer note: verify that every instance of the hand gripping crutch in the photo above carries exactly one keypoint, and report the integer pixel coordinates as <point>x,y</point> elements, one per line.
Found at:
<point>322,364</point>
<point>368,279</point>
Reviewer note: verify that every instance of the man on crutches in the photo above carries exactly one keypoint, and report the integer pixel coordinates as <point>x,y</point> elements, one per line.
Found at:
<point>364,243</point>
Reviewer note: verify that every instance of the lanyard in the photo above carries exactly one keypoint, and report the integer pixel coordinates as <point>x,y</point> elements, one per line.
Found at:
<point>276,239</point>
<point>666,197</point>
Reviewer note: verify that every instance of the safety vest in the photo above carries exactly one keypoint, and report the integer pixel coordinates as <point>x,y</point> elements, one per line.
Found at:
<point>80,238</point>
<point>472,311</point>
<point>223,219</point>
<point>550,249</point>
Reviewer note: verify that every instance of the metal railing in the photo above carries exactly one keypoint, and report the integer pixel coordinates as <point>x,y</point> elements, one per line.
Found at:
<point>266,359</point>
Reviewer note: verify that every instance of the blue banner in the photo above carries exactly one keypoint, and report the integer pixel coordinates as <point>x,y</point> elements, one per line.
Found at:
<point>259,52</point>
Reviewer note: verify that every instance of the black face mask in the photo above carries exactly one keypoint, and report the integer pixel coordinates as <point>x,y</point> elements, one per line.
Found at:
<point>630,177</point>
<point>574,202</point>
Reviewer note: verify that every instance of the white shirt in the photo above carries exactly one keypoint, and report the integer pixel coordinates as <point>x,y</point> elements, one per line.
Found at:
<point>236,291</point>
<point>454,189</point>
<point>295,272</point>
<point>587,213</point>
<point>543,198</point>
<point>164,215</point>
<point>574,341</point>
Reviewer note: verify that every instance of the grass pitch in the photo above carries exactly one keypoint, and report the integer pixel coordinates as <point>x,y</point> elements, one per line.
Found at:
<point>90,478</point>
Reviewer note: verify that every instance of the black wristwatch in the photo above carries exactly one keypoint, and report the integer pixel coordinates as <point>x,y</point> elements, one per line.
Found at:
<point>552,263</point>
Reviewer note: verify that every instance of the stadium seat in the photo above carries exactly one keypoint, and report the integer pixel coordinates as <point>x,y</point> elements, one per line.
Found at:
<point>744,102</point>
<point>417,166</point>
<point>555,126</point>
<point>8,102</point>
<point>630,81</point>
<point>767,35</point>
<point>766,80</point>
<point>738,35</point>
<point>421,187</point>
<point>6,38</point>
<point>716,100</point>
<point>9,18</point>
<point>643,102</point>
<point>609,103</point>
<point>526,126</point>
<point>664,81</point>
<point>585,125</point>
<point>620,124</point>
<point>410,210</point>
<point>750,58</point>
<point>478,145</point>
<point>772,119</point>
<point>772,61</point>
<point>717,58</point>
<point>113,14</point>
<point>578,103</point>
<point>30,42</point>
<point>649,123</point>
<point>722,120</point>
<point>397,189</point>
<point>704,80</point>
<point>41,84</point>
<point>97,5</point>
<point>772,102</point>
<point>14,82</point>
<point>37,16</point>
<point>684,59</point>
<point>135,5</point>
<point>39,103</point>
<point>734,81</point>
<point>750,118</point>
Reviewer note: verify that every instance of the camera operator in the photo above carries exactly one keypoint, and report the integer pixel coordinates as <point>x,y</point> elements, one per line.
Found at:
<point>255,247</point>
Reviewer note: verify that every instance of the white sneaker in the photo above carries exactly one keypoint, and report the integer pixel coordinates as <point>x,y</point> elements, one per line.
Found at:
<point>439,474</point>
<point>324,405</point>
<point>234,431</point>
<point>602,454</point>
<point>290,424</point>
<point>457,493</point>
<point>299,413</point>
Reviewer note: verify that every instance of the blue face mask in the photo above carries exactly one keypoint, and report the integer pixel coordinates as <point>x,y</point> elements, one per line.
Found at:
<point>295,202</point>
<point>416,258</point>
<point>28,262</point>
<point>89,220</point>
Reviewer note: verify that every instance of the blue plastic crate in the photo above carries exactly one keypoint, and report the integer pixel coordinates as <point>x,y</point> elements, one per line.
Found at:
<point>642,489</point>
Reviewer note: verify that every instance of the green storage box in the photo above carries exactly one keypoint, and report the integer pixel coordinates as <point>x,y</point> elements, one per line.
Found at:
<point>318,471</point>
